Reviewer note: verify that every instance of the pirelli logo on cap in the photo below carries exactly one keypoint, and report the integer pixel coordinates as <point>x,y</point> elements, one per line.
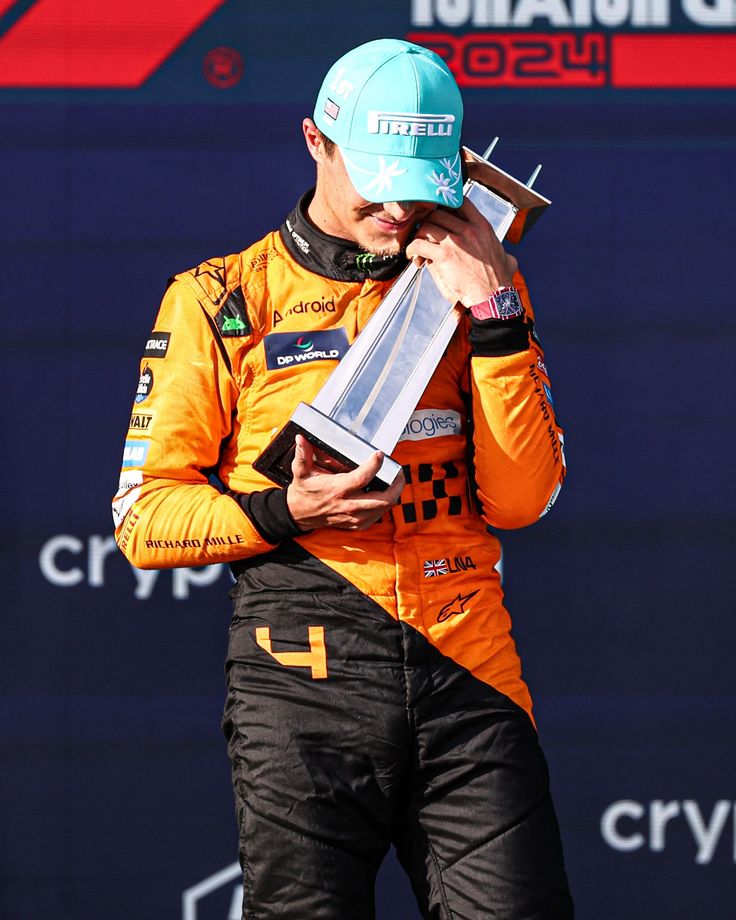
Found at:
<point>410,124</point>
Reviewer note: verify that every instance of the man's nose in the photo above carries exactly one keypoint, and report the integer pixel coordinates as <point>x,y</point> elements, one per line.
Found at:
<point>399,210</point>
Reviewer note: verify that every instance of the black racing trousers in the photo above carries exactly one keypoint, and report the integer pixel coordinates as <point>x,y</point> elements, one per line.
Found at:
<point>397,744</point>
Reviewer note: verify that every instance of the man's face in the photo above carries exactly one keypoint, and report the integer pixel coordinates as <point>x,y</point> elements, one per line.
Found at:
<point>341,211</point>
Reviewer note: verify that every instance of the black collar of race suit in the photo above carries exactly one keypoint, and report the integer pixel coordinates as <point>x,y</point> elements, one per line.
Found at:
<point>331,256</point>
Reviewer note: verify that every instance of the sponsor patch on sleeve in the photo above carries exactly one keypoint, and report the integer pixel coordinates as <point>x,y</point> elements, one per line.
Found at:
<point>157,345</point>
<point>145,385</point>
<point>140,423</point>
<point>135,453</point>
<point>129,488</point>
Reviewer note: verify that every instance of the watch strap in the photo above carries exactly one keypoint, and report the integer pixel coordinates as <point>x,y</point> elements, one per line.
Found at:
<point>503,304</point>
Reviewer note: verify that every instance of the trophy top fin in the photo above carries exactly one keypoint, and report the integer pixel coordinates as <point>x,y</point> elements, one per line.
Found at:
<point>528,203</point>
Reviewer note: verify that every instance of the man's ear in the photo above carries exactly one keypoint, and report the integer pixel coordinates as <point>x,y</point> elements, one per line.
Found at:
<point>313,140</point>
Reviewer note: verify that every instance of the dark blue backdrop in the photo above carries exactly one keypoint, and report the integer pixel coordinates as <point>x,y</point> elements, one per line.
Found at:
<point>115,796</point>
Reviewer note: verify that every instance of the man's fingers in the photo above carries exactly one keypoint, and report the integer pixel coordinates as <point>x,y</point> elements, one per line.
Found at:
<point>441,223</point>
<point>367,507</point>
<point>317,498</point>
<point>345,483</point>
<point>306,464</point>
<point>421,249</point>
<point>302,465</point>
<point>453,219</point>
<point>376,500</point>
<point>381,499</point>
<point>363,474</point>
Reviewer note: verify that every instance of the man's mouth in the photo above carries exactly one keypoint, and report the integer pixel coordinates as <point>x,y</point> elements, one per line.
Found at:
<point>388,225</point>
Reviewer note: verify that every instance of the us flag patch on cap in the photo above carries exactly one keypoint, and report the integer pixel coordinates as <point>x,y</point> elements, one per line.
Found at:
<point>332,109</point>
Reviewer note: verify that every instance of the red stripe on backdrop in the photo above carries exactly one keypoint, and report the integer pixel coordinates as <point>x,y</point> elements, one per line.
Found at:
<point>673,61</point>
<point>96,43</point>
<point>5,5</point>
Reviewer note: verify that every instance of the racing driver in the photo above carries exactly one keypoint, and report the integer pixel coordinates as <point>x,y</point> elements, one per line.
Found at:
<point>374,693</point>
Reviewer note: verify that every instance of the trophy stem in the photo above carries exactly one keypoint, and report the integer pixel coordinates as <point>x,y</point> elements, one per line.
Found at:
<point>391,359</point>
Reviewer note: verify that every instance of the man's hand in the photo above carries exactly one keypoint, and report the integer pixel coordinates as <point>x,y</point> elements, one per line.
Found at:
<point>320,498</point>
<point>463,254</point>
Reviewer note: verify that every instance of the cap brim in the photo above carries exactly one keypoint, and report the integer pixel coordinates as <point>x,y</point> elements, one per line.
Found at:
<point>382,178</point>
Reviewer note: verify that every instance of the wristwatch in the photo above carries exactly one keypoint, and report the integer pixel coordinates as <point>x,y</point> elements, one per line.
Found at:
<point>504,303</point>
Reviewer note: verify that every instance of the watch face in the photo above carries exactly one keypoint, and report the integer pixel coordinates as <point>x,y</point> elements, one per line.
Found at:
<point>508,304</point>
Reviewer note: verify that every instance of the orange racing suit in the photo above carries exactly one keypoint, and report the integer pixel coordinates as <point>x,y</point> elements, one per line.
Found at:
<point>238,342</point>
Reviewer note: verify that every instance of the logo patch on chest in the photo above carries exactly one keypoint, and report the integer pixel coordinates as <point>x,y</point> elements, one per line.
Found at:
<point>431,423</point>
<point>286,349</point>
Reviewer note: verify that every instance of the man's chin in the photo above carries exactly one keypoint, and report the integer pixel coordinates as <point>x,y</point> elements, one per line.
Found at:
<point>384,251</point>
<point>388,246</point>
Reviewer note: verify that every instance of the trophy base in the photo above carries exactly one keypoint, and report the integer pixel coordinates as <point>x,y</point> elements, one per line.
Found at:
<point>322,432</point>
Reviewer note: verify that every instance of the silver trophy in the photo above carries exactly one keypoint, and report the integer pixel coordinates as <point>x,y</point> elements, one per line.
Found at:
<point>366,402</point>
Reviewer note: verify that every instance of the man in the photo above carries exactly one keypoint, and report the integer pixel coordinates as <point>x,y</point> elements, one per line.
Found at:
<point>374,691</point>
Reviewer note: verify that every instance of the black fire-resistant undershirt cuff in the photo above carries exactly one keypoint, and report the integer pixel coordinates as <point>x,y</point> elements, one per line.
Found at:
<point>495,338</point>
<point>268,513</point>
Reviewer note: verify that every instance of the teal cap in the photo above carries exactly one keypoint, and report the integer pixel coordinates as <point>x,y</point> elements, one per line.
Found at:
<point>395,112</point>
